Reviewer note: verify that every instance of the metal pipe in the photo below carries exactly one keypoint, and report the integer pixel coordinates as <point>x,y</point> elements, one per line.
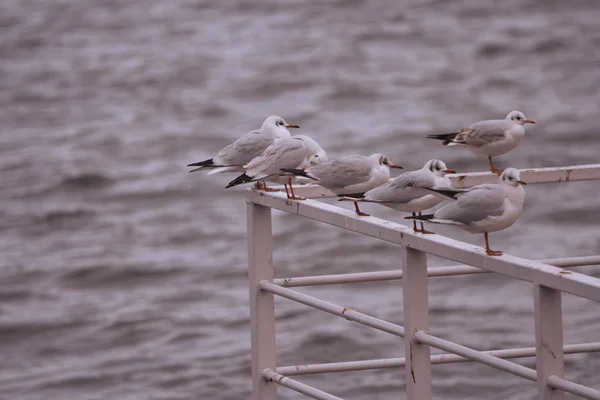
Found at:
<point>340,311</point>
<point>531,271</point>
<point>298,386</point>
<point>562,384</point>
<point>377,276</point>
<point>475,355</point>
<point>434,359</point>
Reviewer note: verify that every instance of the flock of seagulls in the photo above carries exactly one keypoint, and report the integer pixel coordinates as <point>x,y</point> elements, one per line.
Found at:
<point>271,154</point>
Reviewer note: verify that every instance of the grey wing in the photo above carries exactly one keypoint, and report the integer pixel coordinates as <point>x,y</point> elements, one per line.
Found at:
<point>346,171</point>
<point>246,148</point>
<point>484,132</point>
<point>401,189</point>
<point>473,206</point>
<point>286,153</point>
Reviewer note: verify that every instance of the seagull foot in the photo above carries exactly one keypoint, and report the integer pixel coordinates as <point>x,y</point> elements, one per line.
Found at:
<point>491,252</point>
<point>425,231</point>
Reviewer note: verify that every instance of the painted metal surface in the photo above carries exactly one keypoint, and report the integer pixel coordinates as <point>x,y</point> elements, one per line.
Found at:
<point>262,308</point>
<point>548,280</point>
<point>377,276</point>
<point>445,358</point>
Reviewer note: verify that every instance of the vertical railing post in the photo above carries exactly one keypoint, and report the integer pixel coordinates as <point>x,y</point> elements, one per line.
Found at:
<point>548,340</point>
<point>262,308</point>
<point>416,317</point>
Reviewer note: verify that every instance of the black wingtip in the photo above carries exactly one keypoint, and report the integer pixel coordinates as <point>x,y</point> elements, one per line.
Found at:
<point>354,195</point>
<point>298,172</point>
<point>421,217</point>
<point>202,163</point>
<point>243,178</point>
<point>446,138</point>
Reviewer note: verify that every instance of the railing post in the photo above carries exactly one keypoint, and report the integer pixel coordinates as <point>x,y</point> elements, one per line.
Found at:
<point>416,317</point>
<point>262,308</point>
<point>548,340</point>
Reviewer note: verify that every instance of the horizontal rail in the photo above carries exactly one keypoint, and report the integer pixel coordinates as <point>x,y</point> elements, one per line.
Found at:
<point>376,276</point>
<point>340,311</point>
<point>516,267</point>
<point>434,359</point>
<point>529,175</point>
<point>298,386</point>
<point>498,363</point>
<point>532,175</point>
<point>562,384</point>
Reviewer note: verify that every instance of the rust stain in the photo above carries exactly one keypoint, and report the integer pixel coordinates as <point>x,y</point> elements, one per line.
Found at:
<point>412,370</point>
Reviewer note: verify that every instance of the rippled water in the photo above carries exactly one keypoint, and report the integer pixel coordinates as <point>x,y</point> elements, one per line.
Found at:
<point>124,277</point>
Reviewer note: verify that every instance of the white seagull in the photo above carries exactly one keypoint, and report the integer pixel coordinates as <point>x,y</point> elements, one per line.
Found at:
<point>350,175</point>
<point>233,157</point>
<point>484,208</point>
<point>297,152</point>
<point>489,138</point>
<point>405,192</point>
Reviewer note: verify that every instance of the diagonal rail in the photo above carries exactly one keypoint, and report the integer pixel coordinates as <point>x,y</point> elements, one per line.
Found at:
<point>516,267</point>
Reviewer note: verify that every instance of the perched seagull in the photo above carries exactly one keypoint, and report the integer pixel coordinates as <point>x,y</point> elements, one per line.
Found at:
<point>489,138</point>
<point>484,208</point>
<point>350,175</point>
<point>405,193</point>
<point>297,152</point>
<point>233,157</point>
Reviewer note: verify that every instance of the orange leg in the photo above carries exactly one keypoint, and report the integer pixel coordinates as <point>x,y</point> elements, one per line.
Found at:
<point>415,223</point>
<point>286,191</point>
<point>494,169</point>
<point>294,197</point>
<point>489,251</point>
<point>358,212</point>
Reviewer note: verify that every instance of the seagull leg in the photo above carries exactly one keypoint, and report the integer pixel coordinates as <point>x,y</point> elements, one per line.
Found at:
<point>494,169</point>
<point>294,197</point>
<point>286,191</point>
<point>257,185</point>
<point>489,251</point>
<point>358,212</point>
<point>415,222</point>
<point>423,230</point>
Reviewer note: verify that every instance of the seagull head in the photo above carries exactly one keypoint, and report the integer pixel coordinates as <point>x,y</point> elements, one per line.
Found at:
<point>511,177</point>
<point>277,127</point>
<point>383,160</point>
<point>518,118</point>
<point>438,168</point>
<point>315,153</point>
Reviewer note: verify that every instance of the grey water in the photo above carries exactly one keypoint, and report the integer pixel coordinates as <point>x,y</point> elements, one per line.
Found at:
<point>124,277</point>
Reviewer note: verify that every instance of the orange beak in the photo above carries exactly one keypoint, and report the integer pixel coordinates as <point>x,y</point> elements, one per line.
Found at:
<point>450,171</point>
<point>522,182</point>
<point>395,166</point>
<point>528,121</point>
<point>292,126</point>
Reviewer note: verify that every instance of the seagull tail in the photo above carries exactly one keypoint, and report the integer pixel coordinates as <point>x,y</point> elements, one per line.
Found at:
<point>421,217</point>
<point>243,178</point>
<point>353,197</point>
<point>446,138</point>
<point>204,163</point>
<point>299,172</point>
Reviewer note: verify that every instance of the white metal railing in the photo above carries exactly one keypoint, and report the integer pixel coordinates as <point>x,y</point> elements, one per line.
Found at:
<point>548,280</point>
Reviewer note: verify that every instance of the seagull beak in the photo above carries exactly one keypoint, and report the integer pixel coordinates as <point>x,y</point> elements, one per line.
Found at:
<point>528,121</point>
<point>292,126</point>
<point>522,182</point>
<point>449,171</point>
<point>395,166</point>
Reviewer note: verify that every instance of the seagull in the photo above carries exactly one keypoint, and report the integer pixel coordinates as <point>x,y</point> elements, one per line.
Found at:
<point>233,157</point>
<point>298,152</point>
<point>350,175</point>
<point>405,193</point>
<point>482,209</point>
<point>489,138</point>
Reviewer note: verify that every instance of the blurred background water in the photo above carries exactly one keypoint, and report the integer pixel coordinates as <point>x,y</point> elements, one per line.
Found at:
<point>124,277</point>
